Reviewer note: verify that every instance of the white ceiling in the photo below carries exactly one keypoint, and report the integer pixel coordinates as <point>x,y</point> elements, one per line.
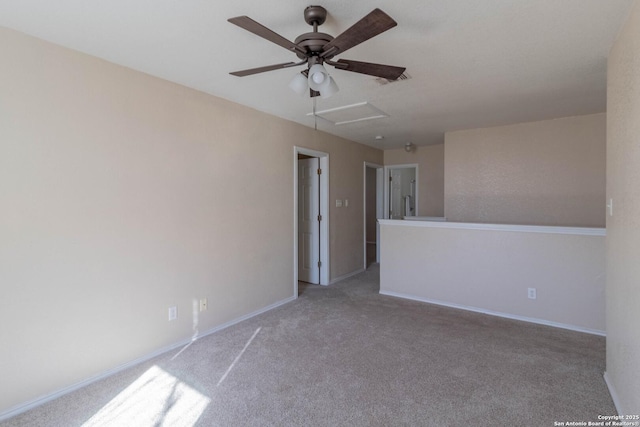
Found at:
<point>472,63</point>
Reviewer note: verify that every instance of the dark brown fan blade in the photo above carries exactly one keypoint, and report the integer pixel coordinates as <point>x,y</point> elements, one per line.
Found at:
<point>262,69</point>
<point>262,31</point>
<point>313,93</point>
<point>371,25</point>
<point>385,71</point>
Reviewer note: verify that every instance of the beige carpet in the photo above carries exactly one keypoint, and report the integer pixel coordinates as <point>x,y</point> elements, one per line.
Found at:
<point>344,355</point>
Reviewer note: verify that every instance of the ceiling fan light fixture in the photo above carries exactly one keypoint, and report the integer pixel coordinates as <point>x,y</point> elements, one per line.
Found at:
<point>298,84</point>
<point>330,90</point>
<point>318,78</point>
<point>316,48</point>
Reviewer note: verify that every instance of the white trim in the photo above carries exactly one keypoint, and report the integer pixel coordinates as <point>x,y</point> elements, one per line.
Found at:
<point>324,211</point>
<point>31,404</point>
<point>344,107</point>
<point>345,122</point>
<point>379,171</point>
<point>583,231</point>
<point>346,276</point>
<point>614,394</point>
<point>376,113</point>
<point>496,313</point>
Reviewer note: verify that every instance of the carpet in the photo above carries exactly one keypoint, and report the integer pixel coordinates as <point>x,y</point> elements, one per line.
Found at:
<point>343,355</point>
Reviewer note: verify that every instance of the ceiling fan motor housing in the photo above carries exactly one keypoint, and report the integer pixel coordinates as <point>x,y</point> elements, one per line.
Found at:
<point>312,43</point>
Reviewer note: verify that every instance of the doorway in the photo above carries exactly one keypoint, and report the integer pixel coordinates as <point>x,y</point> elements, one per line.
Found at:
<point>401,191</point>
<point>311,217</point>
<point>373,210</point>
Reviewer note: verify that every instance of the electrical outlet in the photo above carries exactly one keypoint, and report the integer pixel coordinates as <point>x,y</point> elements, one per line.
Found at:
<point>203,304</point>
<point>338,203</point>
<point>173,313</point>
<point>531,293</point>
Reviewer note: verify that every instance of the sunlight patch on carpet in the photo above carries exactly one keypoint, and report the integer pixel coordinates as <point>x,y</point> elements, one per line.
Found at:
<point>156,398</point>
<point>233,364</point>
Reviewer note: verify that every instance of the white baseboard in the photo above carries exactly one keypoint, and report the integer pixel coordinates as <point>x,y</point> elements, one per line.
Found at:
<point>614,394</point>
<point>497,313</point>
<point>31,404</point>
<point>248,316</point>
<point>346,276</point>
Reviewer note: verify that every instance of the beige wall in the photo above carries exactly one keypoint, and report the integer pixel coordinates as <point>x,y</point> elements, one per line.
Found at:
<point>122,195</point>
<point>430,161</point>
<point>541,173</point>
<point>490,270</point>
<point>623,228</point>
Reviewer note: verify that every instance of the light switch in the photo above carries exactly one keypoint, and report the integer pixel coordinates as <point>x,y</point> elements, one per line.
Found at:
<point>346,203</point>
<point>610,207</point>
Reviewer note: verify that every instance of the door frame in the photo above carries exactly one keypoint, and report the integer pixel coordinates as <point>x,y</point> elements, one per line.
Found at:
<point>386,187</point>
<point>324,211</point>
<point>379,205</point>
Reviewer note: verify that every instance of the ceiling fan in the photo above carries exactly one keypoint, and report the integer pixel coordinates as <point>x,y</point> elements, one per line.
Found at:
<point>315,49</point>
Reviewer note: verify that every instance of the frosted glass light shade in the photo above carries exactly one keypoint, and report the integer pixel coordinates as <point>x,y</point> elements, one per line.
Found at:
<point>331,88</point>
<point>318,78</point>
<point>299,84</point>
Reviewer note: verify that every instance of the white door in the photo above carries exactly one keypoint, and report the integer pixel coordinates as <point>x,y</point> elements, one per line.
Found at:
<point>308,220</point>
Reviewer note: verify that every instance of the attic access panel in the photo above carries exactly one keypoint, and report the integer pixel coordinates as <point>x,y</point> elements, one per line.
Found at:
<point>350,113</point>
